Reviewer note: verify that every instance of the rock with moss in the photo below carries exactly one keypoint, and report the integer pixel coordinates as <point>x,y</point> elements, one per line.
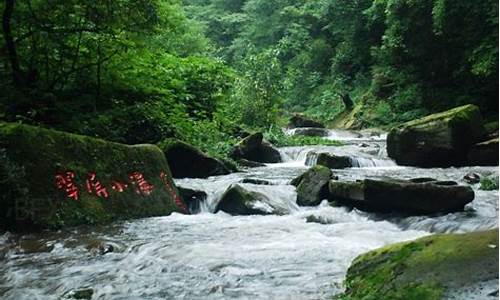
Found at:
<point>402,196</point>
<point>255,148</point>
<point>51,179</point>
<point>299,121</point>
<point>438,140</point>
<point>484,154</point>
<point>446,266</point>
<point>238,201</point>
<point>186,161</point>
<point>312,186</point>
<point>333,161</point>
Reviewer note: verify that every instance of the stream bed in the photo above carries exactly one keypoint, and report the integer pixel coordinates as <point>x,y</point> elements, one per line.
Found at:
<point>218,256</point>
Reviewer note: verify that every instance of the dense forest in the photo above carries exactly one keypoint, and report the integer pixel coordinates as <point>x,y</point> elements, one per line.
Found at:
<point>138,71</point>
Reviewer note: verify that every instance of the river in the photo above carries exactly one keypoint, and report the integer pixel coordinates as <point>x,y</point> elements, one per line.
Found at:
<point>218,256</point>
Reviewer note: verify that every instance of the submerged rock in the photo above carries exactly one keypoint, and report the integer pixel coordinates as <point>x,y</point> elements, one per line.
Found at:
<point>312,186</point>
<point>299,120</point>
<point>52,179</point>
<point>254,148</point>
<point>255,181</point>
<point>186,161</point>
<point>334,161</point>
<point>438,140</point>
<point>484,154</point>
<point>311,131</point>
<point>472,178</point>
<point>239,201</point>
<point>447,266</point>
<point>401,196</point>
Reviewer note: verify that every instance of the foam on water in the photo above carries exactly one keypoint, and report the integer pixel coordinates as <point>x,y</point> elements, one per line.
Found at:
<point>218,256</point>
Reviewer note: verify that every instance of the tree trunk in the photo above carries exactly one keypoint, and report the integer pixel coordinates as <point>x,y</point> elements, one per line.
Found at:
<point>17,76</point>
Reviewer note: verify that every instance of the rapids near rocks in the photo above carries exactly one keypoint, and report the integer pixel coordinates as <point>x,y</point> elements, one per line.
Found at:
<point>218,256</point>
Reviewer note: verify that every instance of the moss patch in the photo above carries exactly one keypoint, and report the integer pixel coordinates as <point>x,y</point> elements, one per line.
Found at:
<point>425,268</point>
<point>32,198</point>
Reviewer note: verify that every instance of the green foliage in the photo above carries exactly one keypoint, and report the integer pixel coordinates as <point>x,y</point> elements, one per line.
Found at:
<point>489,183</point>
<point>256,97</point>
<point>126,71</point>
<point>414,57</point>
<point>277,137</point>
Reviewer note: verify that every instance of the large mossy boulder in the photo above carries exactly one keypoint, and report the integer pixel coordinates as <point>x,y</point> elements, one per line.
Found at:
<point>312,186</point>
<point>484,154</point>
<point>438,140</point>
<point>51,179</point>
<point>186,161</point>
<point>255,148</point>
<point>333,161</point>
<point>239,201</point>
<point>415,197</point>
<point>299,120</point>
<point>446,266</point>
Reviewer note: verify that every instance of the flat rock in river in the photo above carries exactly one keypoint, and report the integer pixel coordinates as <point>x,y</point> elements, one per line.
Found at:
<point>401,196</point>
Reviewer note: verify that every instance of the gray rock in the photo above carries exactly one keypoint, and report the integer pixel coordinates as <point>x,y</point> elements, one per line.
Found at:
<point>254,148</point>
<point>239,201</point>
<point>312,186</point>
<point>438,140</point>
<point>186,161</point>
<point>414,198</point>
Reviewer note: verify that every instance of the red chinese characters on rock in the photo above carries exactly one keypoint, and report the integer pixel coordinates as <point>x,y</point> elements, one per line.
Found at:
<point>178,201</point>
<point>66,182</point>
<point>95,186</point>
<point>141,185</point>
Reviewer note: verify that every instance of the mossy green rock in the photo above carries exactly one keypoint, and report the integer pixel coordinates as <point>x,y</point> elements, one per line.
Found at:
<point>447,266</point>
<point>186,161</point>
<point>418,197</point>
<point>438,140</point>
<point>47,182</point>
<point>312,186</point>
<point>238,201</point>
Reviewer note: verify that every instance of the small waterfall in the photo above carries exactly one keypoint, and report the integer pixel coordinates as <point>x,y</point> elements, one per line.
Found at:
<point>362,162</point>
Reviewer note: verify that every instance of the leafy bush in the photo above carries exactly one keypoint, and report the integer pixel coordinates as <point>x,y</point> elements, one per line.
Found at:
<point>489,183</point>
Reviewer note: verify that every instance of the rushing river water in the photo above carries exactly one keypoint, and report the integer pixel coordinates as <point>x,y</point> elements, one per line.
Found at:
<point>218,256</point>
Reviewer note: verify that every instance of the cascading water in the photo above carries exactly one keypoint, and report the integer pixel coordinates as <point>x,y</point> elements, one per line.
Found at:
<point>218,256</point>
